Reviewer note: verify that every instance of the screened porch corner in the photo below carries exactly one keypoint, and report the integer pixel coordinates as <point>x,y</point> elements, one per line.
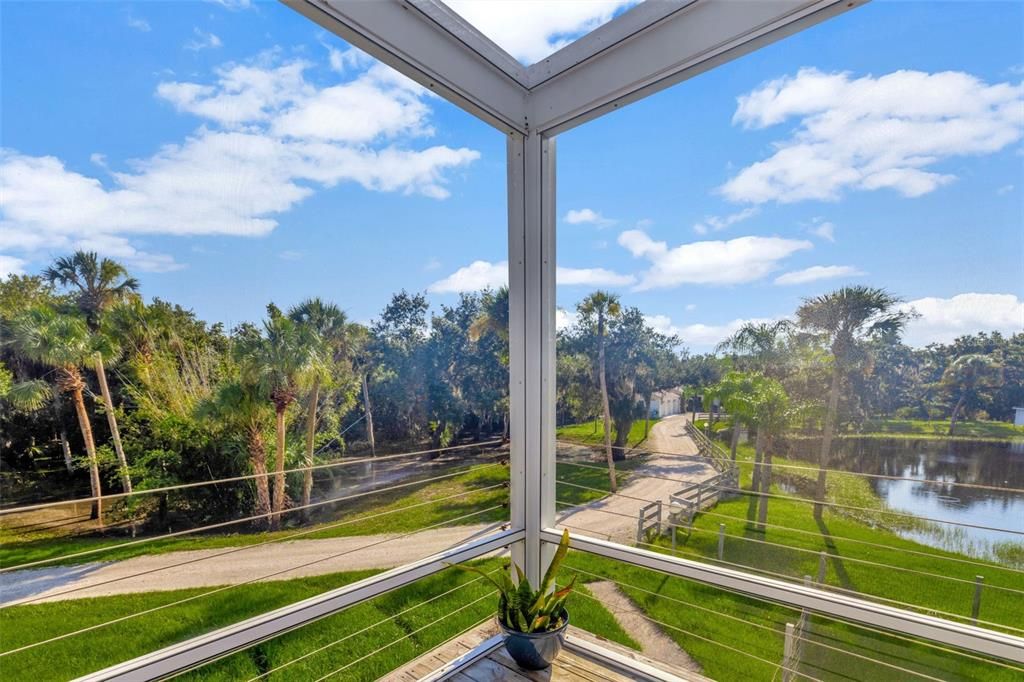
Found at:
<point>804,627</point>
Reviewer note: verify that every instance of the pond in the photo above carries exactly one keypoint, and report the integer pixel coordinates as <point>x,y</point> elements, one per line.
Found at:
<point>957,465</point>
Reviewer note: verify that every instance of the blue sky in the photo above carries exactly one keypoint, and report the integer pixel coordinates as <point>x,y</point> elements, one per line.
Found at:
<point>234,153</point>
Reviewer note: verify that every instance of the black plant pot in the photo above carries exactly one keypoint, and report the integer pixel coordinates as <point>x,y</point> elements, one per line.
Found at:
<point>535,650</point>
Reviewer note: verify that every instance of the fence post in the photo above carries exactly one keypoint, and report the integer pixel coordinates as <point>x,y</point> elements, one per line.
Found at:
<point>979,582</point>
<point>822,567</point>
<point>721,540</point>
<point>659,519</point>
<point>640,527</point>
<point>787,654</point>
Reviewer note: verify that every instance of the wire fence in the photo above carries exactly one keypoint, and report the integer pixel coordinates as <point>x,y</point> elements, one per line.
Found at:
<point>693,554</point>
<point>267,576</point>
<point>233,522</point>
<point>846,472</point>
<point>245,477</point>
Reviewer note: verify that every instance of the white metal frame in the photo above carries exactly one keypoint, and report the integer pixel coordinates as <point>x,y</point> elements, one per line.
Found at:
<point>648,48</point>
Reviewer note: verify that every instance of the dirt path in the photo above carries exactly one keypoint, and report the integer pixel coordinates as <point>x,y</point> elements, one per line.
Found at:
<point>653,642</point>
<point>614,517</point>
<point>301,558</point>
<point>204,568</point>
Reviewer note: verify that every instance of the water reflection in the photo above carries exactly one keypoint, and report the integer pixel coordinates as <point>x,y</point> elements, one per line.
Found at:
<point>953,464</point>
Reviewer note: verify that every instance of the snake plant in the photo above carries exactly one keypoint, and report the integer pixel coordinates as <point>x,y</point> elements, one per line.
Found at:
<point>524,609</point>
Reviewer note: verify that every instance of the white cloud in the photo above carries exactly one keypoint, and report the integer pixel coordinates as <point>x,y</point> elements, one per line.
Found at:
<point>9,265</point>
<point>1005,189</point>
<point>823,228</point>
<point>871,132</point>
<point>139,24</point>
<point>718,223</point>
<point>290,255</point>
<point>479,274</point>
<point>593,277</point>
<point>944,319</point>
<point>530,31</point>
<point>202,41</point>
<point>586,216</point>
<point>482,274</point>
<point>253,160</point>
<point>432,264</point>
<point>698,336</point>
<point>736,261</point>
<point>565,318</point>
<point>817,272</point>
<point>233,4</point>
<point>690,307</point>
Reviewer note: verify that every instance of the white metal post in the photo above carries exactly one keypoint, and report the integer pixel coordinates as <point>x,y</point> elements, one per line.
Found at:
<point>531,196</point>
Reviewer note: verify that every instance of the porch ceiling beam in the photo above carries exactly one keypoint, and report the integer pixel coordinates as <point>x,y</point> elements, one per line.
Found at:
<point>430,44</point>
<point>684,40</point>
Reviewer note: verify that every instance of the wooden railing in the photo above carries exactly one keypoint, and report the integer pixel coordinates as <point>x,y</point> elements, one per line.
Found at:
<point>649,517</point>
<point>720,459</point>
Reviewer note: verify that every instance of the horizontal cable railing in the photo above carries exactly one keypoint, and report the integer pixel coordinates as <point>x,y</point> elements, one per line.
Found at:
<point>709,640</point>
<point>834,505</point>
<point>856,610</point>
<point>715,613</point>
<point>245,477</point>
<point>788,577</point>
<point>389,619</point>
<point>232,522</point>
<point>846,472</point>
<point>418,630</point>
<point>224,641</point>
<point>250,581</point>
<point>235,550</point>
<point>708,512</point>
<point>866,562</point>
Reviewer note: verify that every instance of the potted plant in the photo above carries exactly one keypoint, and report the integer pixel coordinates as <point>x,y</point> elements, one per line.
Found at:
<point>533,621</point>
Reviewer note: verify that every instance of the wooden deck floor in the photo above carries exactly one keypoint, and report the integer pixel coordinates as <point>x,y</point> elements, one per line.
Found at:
<point>586,658</point>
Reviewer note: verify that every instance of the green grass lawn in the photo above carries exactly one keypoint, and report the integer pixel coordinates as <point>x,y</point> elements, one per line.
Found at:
<point>398,511</point>
<point>592,433</point>
<point>917,429</point>
<point>404,511</point>
<point>923,428</point>
<point>365,627</point>
<point>838,536</point>
<point>697,613</point>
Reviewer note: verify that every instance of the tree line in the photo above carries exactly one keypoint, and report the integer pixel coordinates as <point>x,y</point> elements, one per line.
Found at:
<point>99,386</point>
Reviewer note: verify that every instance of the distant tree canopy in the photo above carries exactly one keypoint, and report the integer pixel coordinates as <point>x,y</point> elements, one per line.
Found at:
<point>194,401</point>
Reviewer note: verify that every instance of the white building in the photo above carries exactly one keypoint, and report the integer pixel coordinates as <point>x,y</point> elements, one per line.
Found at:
<point>666,403</point>
<point>1018,416</point>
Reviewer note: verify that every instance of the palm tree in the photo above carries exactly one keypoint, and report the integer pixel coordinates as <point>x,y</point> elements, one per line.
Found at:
<point>769,410</point>
<point>242,408</point>
<point>596,309</point>
<point>100,284</point>
<point>276,364</point>
<point>27,396</point>
<point>968,374</point>
<point>493,319</point>
<point>63,342</point>
<point>732,393</point>
<point>760,345</point>
<point>842,319</point>
<point>328,324</point>
<point>360,349</point>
